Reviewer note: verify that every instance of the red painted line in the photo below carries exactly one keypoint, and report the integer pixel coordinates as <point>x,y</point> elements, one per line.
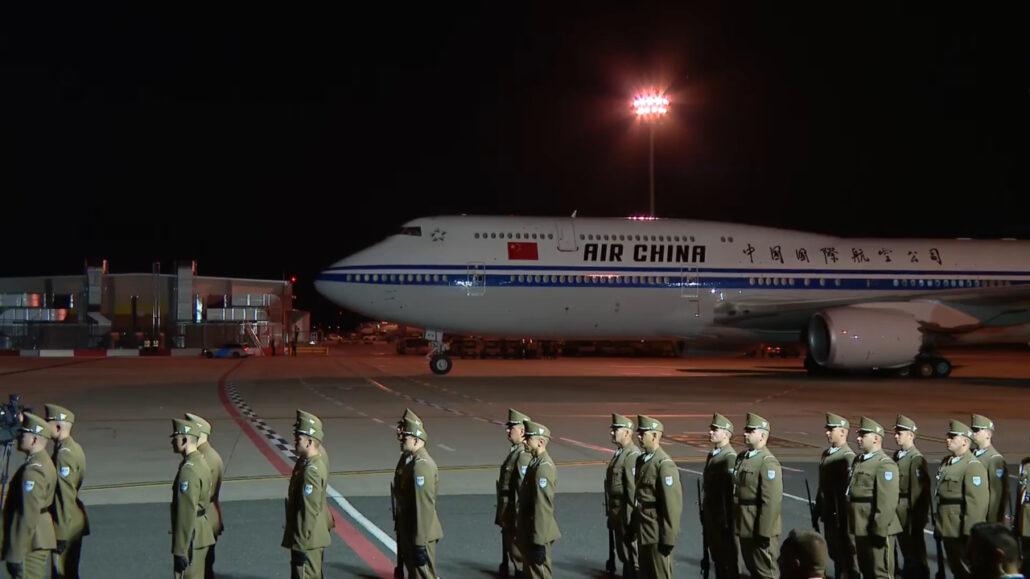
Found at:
<point>364,548</point>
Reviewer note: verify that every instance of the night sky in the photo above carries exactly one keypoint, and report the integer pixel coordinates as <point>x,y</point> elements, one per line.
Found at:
<point>272,144</point>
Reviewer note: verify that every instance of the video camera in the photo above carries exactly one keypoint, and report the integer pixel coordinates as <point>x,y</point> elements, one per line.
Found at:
<point>10,418</point>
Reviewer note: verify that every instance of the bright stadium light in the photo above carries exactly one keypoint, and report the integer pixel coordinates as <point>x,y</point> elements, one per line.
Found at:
<point>650,108</point>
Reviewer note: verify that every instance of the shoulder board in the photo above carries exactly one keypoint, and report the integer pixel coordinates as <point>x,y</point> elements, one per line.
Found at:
<point>770,456</point>
<point>664,460</point>
<point>637,451</point>
<point>312,466</point>
<point>187,463</point>
<point>64,449</point>
<point>849,451</point>
<point>885,458</point>
<point>38,465</point>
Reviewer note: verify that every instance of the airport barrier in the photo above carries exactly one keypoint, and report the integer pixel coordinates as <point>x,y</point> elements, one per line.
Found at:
<point>313,350</point>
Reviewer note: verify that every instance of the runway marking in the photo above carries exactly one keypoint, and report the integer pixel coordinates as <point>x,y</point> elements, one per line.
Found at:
<point>445,447</point>
<point>791,469</point>
<point>377,420</point>
<point>251,424</point>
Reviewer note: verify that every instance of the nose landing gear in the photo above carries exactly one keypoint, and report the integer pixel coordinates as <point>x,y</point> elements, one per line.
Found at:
<point>439,362</point>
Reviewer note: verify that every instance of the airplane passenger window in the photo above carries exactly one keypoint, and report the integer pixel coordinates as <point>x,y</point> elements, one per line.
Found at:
<point>650,280</point>
<point>509,235</point>
<point>807,281</point>
<point>445,279</point>
<point>677,238</point>
<point>493,235</point>
<point>550,236</point>
<point>477,236</point>
<point>518,236</point>
<point>661,238</point>
<point>579,279</point>
<point>536,279</point>
<point>415,231</point>
<point>366,277</point>
<point>581,237</point>
<point>723,239</point>
<point>822,282</point>
<point>691,238</point>
<point>347,277</point>
<point>730,239</point>
<point>837,282</point>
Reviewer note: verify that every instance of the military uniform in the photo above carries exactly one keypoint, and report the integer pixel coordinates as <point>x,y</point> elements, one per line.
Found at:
<point>961,501</point>
<point>657,506</point>
<point>873,508</point>
<point>620,488</point>
<point>513,469</point>
<point>831,500</point>
<point>70,521</point>
<point>913,505</point>
<point>757,504</point>
<point>307,420</point>
<point>717,504</point>
<point>398,471</point>
<point>997,473</point>
<point>1023,513</point>
<point>418,526</point>
<point>535,525</point>
<point>306,532</point>
<point>29,534</point>
<point>214,462</point>
<point>192,534</point>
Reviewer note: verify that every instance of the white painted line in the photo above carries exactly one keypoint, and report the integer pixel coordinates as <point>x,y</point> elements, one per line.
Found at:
<point>377,420</point>
<point>445,447</point>
<point>362,413</point>
<point>369,526</point>
<point>791,469</point>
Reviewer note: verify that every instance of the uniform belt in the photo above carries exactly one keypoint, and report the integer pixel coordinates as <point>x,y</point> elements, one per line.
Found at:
<point>648,504</point>
<point>861,499</point>
<point>748,502</point>
<point>950,501</point>
<point>201,512</point>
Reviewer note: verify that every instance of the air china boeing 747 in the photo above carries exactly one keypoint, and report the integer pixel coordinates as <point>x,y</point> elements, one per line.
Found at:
<point>856,303</point>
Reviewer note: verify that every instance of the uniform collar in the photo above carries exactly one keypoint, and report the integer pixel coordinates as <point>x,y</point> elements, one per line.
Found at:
<point>833,449</point>
<point>716,451</point>
<point>980,451</point>
<point>752,453</point>
<point>902,453</point>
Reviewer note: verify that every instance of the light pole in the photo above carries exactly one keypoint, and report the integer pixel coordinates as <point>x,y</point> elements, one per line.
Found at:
<point>650,108</point>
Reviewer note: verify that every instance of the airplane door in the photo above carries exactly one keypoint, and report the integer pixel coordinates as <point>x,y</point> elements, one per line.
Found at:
<point>475,284</point>
<point>566,236</point>
<point>690,282</point>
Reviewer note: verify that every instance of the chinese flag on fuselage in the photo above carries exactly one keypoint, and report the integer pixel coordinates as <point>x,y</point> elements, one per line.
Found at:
<point>518,250</point>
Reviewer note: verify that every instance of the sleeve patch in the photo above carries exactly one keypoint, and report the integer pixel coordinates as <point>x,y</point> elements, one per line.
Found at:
<point>420,481</point>
<point>888,476</point>
<point>65,471</point>
<point>522,469</point>
<point>308,489</point>
<point>1000,473</point>
<point>668,481</point>
<point>29,485</point>
<point>771,474</point>
<point>184,486</point>
<point>976,481</point>
<point>543,483</point>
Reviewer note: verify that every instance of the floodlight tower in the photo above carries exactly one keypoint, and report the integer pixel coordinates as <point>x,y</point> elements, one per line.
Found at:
<point>650,108</point>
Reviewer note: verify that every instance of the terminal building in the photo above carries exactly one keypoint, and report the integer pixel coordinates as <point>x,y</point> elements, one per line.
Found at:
<point>174,312</point>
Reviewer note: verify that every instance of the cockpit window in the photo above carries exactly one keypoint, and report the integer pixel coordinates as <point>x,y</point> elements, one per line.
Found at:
<point>416,231</point>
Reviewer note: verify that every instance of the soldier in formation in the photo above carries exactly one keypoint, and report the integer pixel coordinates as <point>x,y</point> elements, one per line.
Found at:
<point>29,533</point>
<point>192,533</point>
<point>620,489</point>
<point>535,525</point>
<point>831,498</point>
<point>658,502</point>
<point>961,498</point>
<point>717,499</point>
<point>1022,523</point>
<point>70,521</point>
<point>758,500</point>
<point>873,499</point>
<point>513,470</point>
<point>418,525</point>
<point>997,470</point>
<point>913,499</point>
<point>214,462</point>
<point>308,522</point>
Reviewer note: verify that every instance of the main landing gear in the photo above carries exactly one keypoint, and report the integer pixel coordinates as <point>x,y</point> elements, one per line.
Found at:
<point>439,362</point>
<point>928,367</point>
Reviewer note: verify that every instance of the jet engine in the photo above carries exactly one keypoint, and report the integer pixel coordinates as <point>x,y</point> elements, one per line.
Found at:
<point>852,338</point>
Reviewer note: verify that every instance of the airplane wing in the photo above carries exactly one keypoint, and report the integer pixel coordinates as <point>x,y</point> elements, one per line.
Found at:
<point>941,310</point>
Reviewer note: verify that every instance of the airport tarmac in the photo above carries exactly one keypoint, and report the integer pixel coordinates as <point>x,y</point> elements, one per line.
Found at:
<point>124,409</point>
